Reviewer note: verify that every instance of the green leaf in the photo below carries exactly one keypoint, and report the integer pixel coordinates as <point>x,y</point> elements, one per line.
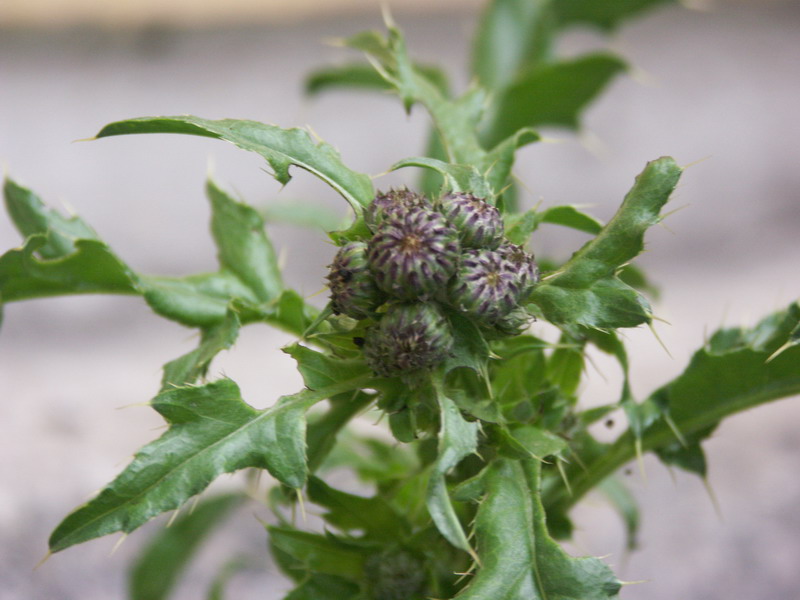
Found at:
<point>243,246</point>
<point>364,76</point>
<point>512,36</point>
<point>315,553</point>
<point>91,269</point>
<point>347,512</point>
<point>572,217</point>
<point>730,374</point>
<point>519,559</point>
<point>603,15</point>
<point>457,178</point>
<point>551,94</point>
<point>301,213</point>
<point>457,440</point>
<point>520,226</point>
<point>200,300</point>
<point>586,291</point>
<point>456,121</point>
<point>159,566</point>
<point>31,216</point>
<point>191,366</point>
<point>281,148</point>
<point>212,431</point>
<point>321,370</point>
<point>324,587</point>
<point>620,497</point>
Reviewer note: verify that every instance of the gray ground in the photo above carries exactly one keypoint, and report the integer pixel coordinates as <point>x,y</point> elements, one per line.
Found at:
<point>721,87</point>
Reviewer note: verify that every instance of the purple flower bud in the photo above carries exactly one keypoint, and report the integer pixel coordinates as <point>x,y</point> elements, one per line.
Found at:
<point>485,287</point>
<point>353,290</point>
<point>478,223</point>
<point>523,265</point>
<point>393,204</point>
<point>408,338</point>
<point>413,255</point>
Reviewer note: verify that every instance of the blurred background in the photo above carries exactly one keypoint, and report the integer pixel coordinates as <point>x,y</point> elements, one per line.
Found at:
<point>716,88</point>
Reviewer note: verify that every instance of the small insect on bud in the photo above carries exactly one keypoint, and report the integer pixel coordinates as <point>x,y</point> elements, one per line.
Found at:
<point>392,204</point>
<point>408,338</point>
<point>353,290</point>
<point>523,265</point>
<point>413,255</point>
<point>478,223</point>
<point>485,287</point>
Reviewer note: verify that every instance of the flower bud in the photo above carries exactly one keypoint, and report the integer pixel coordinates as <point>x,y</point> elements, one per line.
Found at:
<point>395,574</point>
<point>523,265</point>
<point>408,338</point>
<point>353,290</point>
<point>514,323</point>
<point>485,286</point>
<point>413,255</point>
<point>393,204</point>
<point>478,223</point>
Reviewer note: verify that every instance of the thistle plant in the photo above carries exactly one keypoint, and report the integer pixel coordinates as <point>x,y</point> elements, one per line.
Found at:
<point>437,322</point>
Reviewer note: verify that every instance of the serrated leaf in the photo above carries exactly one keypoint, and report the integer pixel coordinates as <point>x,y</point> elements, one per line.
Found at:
<point>621,499</point>
<point>604,15</point>
<point>519,559</point>
<point>457,440</point>
<point>242,245</point>
<point>159,566</point>
<point>551,94</point>
<point>91,269</point>
<point>586,291</point>
<point>315,553</point>
<point>512,36</point>
<point>32,216</point>
<point>455,120</point>
<point>324,587</point>
<point>520,226</point>
<point>727,376</point>
<point>193,365</point>
<point>457,178</point>
<point>320,370</point>
<point>470,349</point>
<point>281,148</point>
<point>374,516</point>
<point>302,214</point>
<point>364,76</point>
<point>212,431</point>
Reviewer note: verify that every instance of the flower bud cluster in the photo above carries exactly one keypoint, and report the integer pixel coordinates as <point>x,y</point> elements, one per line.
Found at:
<point>423,257</point>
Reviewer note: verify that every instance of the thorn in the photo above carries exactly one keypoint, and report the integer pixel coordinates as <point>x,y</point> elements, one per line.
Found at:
<point>640,459</point>
<point>89,139</point>
<point>173,516</point>
<point>714,500</point>
<point>675,430</point>
<point>302,505</point>
<point>779,351</point>
<point>634,582</point>
<point>44,559</point>
<point>118,544</point>
<point>388,20</point>
<point>283,256</point>
<point>195,502</point>
<point>563,476</point>
<point>135,404</point>
<point>660,341</point>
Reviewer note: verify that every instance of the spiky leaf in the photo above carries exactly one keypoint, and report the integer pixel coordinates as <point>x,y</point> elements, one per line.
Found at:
<point>281,148</point>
